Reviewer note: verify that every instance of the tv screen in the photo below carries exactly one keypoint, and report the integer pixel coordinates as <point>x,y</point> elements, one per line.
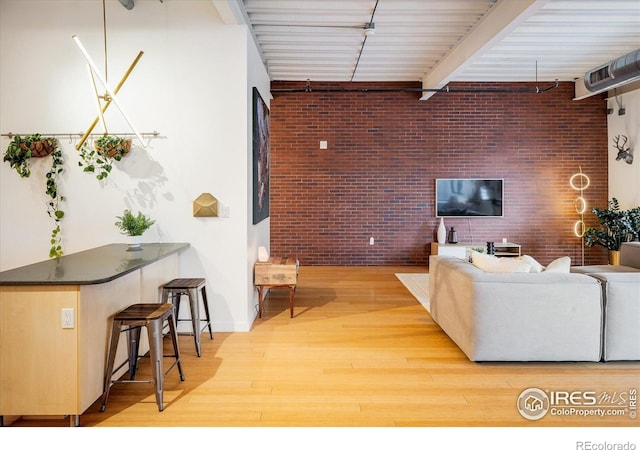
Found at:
<point>465,197</point>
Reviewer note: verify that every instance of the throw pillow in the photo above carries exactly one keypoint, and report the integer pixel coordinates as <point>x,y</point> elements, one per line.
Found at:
<point>536,267</point>
<point>561,265</point>
<point>482,261</point>
<point>493,264</point>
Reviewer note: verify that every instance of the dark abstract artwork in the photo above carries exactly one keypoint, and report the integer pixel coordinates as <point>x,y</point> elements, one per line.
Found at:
<point>260,158</point>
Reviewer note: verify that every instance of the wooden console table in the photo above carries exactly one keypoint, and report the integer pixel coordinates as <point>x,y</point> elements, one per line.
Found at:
<point>277,272</point>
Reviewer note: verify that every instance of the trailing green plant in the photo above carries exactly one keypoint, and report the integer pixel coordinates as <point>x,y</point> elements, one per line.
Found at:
<point>18,153</point>
<point>616,226</point>
<point>53,205</point>
<point>21,149</point>
<point>133,225</point>
<point>99,159</point>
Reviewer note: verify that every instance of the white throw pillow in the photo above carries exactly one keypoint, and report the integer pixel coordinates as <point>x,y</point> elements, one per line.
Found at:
<point>493,264</point>
<point>536,267</point>
<point>560,265</point>
<point>482,261</point>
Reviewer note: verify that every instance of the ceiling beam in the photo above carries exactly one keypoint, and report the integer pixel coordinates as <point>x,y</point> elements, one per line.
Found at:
<point>233,12</point>
<point>501,19</point>
<point>230,12</point>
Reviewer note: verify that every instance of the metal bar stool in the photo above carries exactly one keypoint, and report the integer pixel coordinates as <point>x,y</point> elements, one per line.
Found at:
<point>133,318</point>
<point>175,289</point>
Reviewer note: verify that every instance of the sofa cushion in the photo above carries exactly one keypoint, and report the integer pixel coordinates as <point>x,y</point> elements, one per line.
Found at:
<point>493,264</point>
<point>560,265</point>
<point>536,267</point>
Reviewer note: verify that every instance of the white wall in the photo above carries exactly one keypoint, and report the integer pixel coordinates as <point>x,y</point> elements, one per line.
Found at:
<point>624,179</point>
<point>193,85</point>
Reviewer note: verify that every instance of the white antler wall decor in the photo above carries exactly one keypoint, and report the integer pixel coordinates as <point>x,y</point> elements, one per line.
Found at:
<point>623,153</point>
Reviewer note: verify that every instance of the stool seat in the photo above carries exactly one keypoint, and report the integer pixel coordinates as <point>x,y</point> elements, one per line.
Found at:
<point>175,289</point>
<point>143,312</point>
<point>133,318</point>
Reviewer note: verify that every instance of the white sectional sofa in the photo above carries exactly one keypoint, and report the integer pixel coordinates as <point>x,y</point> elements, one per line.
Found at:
<point>621,287</point>
<point>517,316</point>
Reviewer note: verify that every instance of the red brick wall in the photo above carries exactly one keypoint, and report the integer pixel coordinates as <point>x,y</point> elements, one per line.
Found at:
<point>385,150</point>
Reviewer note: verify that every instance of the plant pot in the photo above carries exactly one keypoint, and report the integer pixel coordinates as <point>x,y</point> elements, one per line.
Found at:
<point>135,243</point>
<point>614,257</point>
<point>116,151</point>
<point>39,149</point>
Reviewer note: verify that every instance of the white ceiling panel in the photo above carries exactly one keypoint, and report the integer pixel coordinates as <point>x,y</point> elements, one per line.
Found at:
<point>416,40</point>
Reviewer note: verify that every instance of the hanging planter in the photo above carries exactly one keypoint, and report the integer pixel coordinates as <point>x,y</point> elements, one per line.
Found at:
<point>112,146</point>
<point>18,154</point>
<point>22,149</point>
<point>107,149</point>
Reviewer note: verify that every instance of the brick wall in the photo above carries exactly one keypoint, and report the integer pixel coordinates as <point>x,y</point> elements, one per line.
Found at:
<point>385,150</point>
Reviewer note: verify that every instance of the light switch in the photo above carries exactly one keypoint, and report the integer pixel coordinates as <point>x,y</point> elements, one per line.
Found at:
<point>323,145</point>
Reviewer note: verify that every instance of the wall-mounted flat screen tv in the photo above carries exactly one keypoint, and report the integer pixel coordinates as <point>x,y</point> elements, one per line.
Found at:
<point>469,197</point>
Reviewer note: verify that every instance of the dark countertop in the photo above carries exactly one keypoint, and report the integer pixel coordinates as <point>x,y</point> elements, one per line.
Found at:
<point>94,266</point>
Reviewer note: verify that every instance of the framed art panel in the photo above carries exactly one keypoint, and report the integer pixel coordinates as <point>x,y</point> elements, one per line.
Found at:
<point>260,158</point>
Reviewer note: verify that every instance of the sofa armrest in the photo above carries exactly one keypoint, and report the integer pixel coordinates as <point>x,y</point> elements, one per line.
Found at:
<point>630,254</point>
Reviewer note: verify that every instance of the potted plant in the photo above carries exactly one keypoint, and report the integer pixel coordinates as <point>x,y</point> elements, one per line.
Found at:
<point>616,226</point>
<point>18,154</point>
<point>112,146</point>
<point>99,160</point>
<point>21,149</point>
<point>133,225</point>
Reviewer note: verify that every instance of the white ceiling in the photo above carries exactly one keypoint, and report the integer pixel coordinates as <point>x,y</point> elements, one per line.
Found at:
<point>437,41</point>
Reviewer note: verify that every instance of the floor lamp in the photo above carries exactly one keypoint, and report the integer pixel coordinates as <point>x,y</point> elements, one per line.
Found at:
<point>579,181</point>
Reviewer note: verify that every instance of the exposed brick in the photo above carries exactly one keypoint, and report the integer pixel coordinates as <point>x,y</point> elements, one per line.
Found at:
<point>377,178</point>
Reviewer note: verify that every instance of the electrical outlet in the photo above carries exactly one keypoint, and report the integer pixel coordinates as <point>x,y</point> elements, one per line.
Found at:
<point>371,241</point>
<point>68,318</point>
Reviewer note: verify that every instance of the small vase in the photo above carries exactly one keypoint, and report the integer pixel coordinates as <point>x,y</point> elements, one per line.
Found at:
<point>442,232</point>
<point>453,236</point>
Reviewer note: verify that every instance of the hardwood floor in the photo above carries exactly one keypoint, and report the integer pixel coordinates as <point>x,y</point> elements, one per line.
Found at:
<point>360,352</point>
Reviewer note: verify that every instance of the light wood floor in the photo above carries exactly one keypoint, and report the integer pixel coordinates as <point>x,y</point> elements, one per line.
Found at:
<point>360,351</point>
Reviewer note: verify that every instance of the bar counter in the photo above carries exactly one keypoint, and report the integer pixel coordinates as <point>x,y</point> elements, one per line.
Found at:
<point>94,266</point>
<point>51,367</point>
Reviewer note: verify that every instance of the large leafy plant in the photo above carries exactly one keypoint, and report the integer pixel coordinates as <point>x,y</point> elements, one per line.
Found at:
<point>616,226</point>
